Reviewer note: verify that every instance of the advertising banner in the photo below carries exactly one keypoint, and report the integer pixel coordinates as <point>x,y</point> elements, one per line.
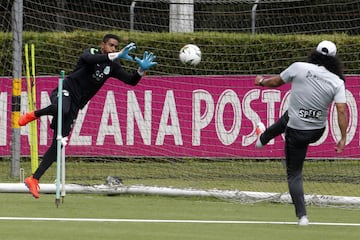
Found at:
<point>179,116</point>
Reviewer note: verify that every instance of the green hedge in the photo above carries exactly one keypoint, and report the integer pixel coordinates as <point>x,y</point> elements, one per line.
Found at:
<point>223,53</point>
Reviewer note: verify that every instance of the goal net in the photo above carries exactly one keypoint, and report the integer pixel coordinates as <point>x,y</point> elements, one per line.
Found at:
<point>185,130</point>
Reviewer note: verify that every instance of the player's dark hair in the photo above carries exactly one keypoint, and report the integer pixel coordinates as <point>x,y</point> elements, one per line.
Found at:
<point>332,64</point>
<point>109,35</point>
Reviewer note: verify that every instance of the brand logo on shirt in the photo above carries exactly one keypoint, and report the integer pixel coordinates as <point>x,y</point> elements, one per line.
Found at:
<point>98,75</point>
<point>93,51</point>
<point>310,75</point>
<point>310,113</point>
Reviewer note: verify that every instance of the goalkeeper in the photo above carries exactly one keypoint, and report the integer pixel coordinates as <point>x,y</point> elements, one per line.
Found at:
<point>314,86</point>
<point>94,67</point>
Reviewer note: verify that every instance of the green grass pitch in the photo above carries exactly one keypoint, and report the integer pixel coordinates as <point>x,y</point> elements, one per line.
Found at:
<point>266,220</point>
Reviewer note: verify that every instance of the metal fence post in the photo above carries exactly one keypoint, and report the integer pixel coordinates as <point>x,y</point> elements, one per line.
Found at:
<point>17,25</point>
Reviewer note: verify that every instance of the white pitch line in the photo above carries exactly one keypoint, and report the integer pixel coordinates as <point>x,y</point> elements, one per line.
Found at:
<point>168,221</point>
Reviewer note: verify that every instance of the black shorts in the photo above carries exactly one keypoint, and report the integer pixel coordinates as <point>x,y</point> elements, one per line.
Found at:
<point>70,112</point>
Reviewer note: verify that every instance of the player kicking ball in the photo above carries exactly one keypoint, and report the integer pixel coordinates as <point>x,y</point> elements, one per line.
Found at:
<point>315,84</point>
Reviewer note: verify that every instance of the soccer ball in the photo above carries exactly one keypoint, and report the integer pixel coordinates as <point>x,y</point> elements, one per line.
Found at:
<point>190,54</point>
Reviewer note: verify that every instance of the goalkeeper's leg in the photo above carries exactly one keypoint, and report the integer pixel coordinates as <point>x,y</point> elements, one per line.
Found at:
<point>26,118</point>
<point>33,115</point>
<point>71,111</point>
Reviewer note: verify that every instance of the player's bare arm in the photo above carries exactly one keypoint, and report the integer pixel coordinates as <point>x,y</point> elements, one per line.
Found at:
<point>343,125</point>
<point>274,81</point>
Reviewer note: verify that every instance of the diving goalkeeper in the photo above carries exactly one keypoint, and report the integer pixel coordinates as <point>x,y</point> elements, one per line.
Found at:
<point>94,67</point>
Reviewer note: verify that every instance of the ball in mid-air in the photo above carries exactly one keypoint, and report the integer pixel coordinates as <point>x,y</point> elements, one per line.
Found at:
<point>190,54</point>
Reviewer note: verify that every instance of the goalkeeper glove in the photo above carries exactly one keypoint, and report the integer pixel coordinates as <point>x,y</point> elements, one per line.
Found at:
<point>147,62</point>
<point>124,53</point>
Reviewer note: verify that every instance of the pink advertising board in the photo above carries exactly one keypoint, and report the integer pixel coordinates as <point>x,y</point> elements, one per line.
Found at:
<point>180,116</point>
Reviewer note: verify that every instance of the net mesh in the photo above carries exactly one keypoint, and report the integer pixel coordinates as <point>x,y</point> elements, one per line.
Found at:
<point>254,173</point>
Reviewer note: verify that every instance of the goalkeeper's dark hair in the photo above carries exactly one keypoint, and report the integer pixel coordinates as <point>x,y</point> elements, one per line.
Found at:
<point>109,35</point>
<point>332,64</point>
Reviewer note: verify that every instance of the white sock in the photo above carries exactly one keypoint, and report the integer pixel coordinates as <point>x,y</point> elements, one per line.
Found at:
<point>258,143</point>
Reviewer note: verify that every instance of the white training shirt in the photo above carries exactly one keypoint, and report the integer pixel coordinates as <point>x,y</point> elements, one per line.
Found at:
<point>313,89</point>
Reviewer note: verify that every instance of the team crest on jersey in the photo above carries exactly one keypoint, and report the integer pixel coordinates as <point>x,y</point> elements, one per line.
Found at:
<point>106,70</point>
